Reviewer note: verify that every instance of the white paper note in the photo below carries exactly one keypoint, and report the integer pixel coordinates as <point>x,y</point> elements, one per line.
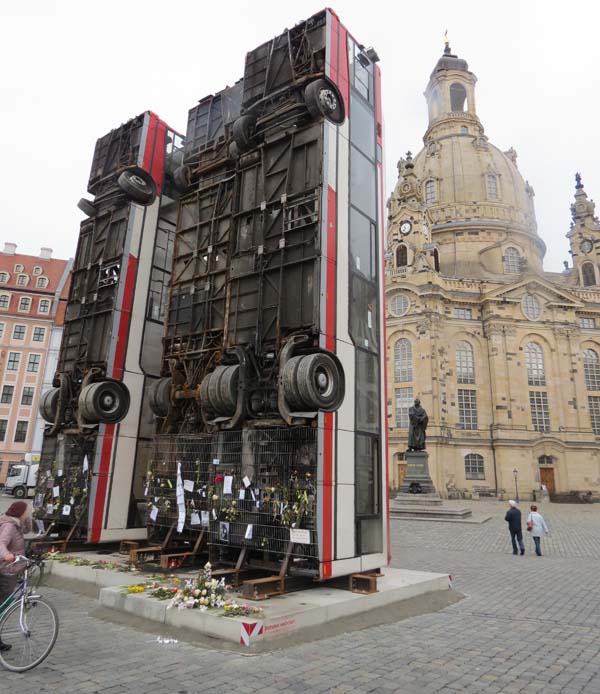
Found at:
<point>253,496</point>
<point>59,473</point>
<point>72,500</point>
<point>188,485</point>
<point>55,491</point>
<point>248,534</point>
<point>205,518</point>
<point>242,494</point>
<point>66,510</point>
<point>214,514</point>
<point>154,513</point>
<point>195,519</point>
<point>302,537</point>
<point>49,509</point>
<point>246,481</point>
<point>227,482</point>
<point>216,461</point>
<point>86,463</point>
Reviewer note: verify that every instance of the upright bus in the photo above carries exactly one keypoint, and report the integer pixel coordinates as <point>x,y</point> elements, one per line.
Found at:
<point>93,456</point>
<point>271,405</point>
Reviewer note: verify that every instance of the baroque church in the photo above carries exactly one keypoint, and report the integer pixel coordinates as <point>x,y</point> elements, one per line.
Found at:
<point>504,356</point>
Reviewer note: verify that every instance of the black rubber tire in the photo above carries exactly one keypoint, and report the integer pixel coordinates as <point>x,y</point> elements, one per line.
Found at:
<point>323,100</point>
<point>228,388</point>
<point>289,380</point>
<point>138,185</point>
<point>35,575</point>
<point>243,132</point>
<point>19,492</point>
<point>181,178</point>
<point>104,402</point>
<point>88,208</point>
<point>204,395</point>
<point>319,382</point>
<point>159,396</point>
<point>214,391</point>
<point>49,404</point>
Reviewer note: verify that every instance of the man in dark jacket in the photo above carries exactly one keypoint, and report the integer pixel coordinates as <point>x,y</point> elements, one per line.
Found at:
<point>513,518</point>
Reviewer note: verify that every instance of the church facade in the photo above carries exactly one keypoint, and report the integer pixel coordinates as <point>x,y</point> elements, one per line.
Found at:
<point>504,356</point>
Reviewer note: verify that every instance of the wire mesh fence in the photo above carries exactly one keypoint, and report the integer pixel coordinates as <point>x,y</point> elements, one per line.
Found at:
<point>253,488</point>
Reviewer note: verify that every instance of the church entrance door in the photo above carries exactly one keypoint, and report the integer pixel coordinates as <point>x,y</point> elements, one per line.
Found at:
<point>547,478</point>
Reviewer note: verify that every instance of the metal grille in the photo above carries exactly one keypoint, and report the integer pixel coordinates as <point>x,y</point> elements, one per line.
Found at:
<point>278,495</point>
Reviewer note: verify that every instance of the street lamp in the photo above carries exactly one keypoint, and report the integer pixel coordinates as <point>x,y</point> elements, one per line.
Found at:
<point>516,474</point>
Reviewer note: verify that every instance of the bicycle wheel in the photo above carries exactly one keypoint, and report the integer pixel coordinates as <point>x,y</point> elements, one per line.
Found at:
<point>31,632</point>
<point>35,576</point>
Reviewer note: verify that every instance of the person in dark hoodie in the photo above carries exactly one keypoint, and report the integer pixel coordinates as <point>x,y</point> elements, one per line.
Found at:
<point>13,525</point>
<point>513,518</point>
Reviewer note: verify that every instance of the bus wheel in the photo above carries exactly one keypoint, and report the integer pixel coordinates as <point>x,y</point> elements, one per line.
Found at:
<point>88,208</point>
<point>49,404</point>
<point>323,99</point>
<point>159,396</point>
<point>290,383</point>
<point>243,132</point>
<point>228,388</point>
<point>319,382</point>
<point>138,185</point>
<point>104,402</point>
<point>181,177</point>
<point>19,492</point>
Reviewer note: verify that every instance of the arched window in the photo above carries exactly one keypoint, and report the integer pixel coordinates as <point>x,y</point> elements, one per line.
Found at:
<point>436,259</point>
<point>591,369</point>
<point>512,260</point>
<point>588,275</point>
<point>465,363</point>
<point>458,96</point>
<point>403,361</point>
<point>430,192</point>
<point>474,468</point>
<point>491,181</point>
<point>401,256</point>
<point>545,460</point>
<point>534,360</point>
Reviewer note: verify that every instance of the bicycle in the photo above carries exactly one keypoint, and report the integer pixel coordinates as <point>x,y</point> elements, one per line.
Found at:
<point>28,623</point>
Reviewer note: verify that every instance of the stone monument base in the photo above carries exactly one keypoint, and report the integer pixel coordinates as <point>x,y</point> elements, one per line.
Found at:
<point>417,475</point>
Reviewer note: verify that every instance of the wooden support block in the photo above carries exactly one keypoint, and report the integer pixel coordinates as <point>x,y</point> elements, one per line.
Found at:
<point>142,553</point>
<point>263,588</point>
<point>364,584</point>
<point>127,545</point>
<point>178,557</point>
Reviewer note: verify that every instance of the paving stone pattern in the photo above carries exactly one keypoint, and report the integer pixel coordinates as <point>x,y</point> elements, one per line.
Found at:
<point>528,624</point>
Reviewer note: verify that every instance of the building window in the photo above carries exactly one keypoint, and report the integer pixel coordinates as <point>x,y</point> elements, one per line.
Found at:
<point>27,396</point>
<point>403,361</point>
<point>458,96</point>
<point>588,275</point>
<point>21,432</point>
<point>22,280</point>
<point>545,460</point>
<point>534,360</point>
<point>7,395</point>
<point>24,304</point>
<point>531,307</point>
<point>463,313</point>
<point>474,469</point>
<point>464,130</point>
<point>37,270</point>
<point>467,408</point>
<point>19,268</point>
<point>33,363</point>
<point>435,254</point>
<point>512,261</point>
<point>594,407</point>
<point>399,305</point>
<point>404,400</point>
<point>1,330</point>
<point>3,277</point>
<point>19,332</point>
<point>3,427</point>
<point>587,323</point>
<point>44,306</point>
<point>540,414</point>
<point>430,193</point>
<point>39,334</point>
<point>42,282</point>
<point>13,361</point>
<point>401,256</point>
<point>491,181</point>
<point>4,301</point>
<point>591,369</point>
<point>465,363</point>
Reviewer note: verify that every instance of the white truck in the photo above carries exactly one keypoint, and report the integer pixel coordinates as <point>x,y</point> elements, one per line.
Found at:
<point>22,479</point>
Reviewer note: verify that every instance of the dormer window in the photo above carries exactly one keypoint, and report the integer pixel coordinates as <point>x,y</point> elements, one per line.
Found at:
<point>430,192</point>
<point>458,97</point>
<point>491,181</point>
<point>42,282</point>
<point>19,268</point>
<point>512,261</point>
<point>22,280</point>
<point>37,270</point>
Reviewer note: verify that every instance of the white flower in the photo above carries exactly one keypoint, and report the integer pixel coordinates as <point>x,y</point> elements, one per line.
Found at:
<point>204,592</point>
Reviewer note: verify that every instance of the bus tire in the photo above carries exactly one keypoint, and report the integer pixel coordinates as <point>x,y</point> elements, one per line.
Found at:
<point>323,100</point>
<point>159,396</point>
<point>49,405</point>
<point>138,185</point>
<point>289,381</point>
<point>243,132</point>
<point>228,388</point>
<point>88,208</point>
<point>19,492</point>
<point>215,400</point>
<point>320,383</point>
<point>104,402</point>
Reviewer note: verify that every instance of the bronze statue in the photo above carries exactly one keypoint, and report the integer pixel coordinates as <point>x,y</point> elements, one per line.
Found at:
<point>418,421</point>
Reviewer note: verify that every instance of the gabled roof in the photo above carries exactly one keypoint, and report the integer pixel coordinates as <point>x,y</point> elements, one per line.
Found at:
<point>534,285</point>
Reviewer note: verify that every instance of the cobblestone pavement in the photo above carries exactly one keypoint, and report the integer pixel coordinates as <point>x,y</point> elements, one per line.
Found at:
<point>527,625</point>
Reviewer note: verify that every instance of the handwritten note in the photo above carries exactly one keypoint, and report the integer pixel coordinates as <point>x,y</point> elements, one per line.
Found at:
<point>246,481</point>
<point>248,534</point>
<point>301,537</point>
<point>49,509</point>
<point>66,510</point>
<point>195,519</point>
<point>216,461</point>
<point>242,494</point>
<point>55,491</point>
<point>154,513</point>
<point>188,485</point>
<point>227,482</point>
<point>205,518</point>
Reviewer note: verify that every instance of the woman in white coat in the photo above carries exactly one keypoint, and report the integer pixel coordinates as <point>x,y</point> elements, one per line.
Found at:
<point>538,528</point>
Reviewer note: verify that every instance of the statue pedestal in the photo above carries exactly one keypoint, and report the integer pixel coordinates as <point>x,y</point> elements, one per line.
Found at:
<point>417,473</point>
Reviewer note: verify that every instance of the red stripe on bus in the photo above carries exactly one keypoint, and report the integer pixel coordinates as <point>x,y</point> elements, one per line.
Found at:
<point>100,498</point>
<point>327,527</point>
<point>154,152</point>
<point>125,318</point>
<point>343,80</point>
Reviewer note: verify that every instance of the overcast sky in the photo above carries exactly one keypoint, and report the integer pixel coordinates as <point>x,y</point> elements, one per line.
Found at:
<point>72,71</point>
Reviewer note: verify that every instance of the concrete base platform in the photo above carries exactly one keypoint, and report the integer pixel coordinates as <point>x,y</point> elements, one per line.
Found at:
<point>437,512</point>
<point>304,612</point>
<point>416,500</point>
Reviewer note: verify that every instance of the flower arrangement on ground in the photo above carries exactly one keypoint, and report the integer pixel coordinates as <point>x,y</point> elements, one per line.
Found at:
<point>233,609</point>
<point>203,593</point>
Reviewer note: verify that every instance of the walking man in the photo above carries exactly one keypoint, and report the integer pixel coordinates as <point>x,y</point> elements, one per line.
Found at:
<point>513,518</point>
